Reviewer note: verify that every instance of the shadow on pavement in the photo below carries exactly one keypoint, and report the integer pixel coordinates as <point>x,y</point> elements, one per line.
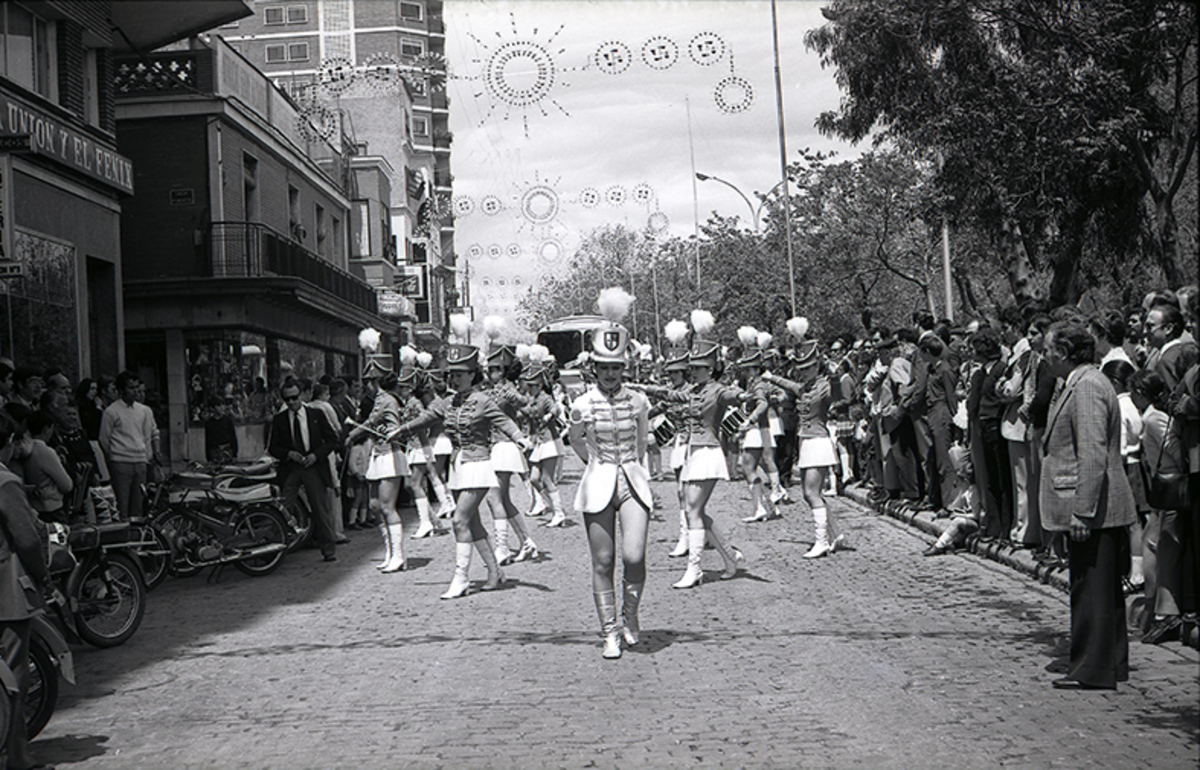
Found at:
<point>70,748</point>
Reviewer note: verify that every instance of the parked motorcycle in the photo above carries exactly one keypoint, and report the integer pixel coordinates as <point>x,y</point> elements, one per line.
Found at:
<point>207,527</point>
<point>101,576</point>
<point>49,659</point>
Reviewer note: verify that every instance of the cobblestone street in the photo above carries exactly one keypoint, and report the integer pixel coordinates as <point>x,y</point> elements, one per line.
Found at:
<point>875,657</point>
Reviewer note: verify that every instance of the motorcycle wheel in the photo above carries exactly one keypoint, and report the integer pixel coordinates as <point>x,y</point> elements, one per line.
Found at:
<point>170,526</point>
<point>155,566</point>
<point>109,610</point>
<point>299,521</point>
<point>42,695</point>
<point>256,527</point>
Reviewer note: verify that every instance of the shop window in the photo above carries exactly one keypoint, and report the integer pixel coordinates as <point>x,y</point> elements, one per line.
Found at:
<point>43,304</point>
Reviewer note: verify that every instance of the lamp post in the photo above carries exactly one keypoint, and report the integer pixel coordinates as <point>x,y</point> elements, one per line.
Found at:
<point>755,211</point>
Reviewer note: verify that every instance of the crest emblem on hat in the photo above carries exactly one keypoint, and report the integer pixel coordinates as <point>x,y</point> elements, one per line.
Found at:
<point>612,340</point>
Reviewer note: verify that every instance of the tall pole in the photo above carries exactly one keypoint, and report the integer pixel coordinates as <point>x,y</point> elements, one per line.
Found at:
<point>946,271</point>
<point>695,197</point>
<point>787,202</point>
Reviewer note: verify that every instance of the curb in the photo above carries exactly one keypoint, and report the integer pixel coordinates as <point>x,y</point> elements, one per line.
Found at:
<point>1019,559</point>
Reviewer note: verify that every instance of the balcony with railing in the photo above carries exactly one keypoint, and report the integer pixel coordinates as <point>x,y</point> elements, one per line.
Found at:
<point>254,250</point>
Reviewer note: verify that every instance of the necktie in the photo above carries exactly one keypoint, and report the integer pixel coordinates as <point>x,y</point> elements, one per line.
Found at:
<point>297,436</point>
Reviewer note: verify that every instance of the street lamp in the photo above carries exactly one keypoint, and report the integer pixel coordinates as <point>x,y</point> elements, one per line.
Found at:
<point>755,211</point>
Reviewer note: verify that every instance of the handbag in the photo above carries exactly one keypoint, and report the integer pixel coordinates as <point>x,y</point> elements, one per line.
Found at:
<point>1166,491</point>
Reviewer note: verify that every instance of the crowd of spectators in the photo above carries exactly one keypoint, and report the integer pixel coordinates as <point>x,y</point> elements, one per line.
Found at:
<point>951,418</point>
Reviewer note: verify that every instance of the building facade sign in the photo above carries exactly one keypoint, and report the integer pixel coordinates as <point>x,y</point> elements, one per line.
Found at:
<point>53,138</point>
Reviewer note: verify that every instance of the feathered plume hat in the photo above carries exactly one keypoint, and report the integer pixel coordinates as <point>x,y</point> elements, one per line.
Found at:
<point>676,355</point>
<point>375,364</point>
<point>704,351</point>
<point>804,353</point>
<point>461,357</point>
<point>410,373</point>
<point>610,343</point>
<point>535,360</point>
<point>498,353</point>
<point>751,353</point>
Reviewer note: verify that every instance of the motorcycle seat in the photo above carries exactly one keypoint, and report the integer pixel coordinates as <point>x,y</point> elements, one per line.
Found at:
<point>255,493</point>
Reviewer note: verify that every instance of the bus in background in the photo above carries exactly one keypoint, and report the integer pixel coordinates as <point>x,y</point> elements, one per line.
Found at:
<point>566,338</point>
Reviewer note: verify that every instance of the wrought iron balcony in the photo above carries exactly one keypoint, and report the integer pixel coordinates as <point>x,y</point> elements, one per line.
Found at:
<point>254,250</point>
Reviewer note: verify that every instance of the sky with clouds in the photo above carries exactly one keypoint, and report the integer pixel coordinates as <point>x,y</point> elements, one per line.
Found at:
<point>571,114</point>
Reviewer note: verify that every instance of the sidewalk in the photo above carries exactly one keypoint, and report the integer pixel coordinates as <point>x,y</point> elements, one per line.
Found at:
<point>1019,559</point>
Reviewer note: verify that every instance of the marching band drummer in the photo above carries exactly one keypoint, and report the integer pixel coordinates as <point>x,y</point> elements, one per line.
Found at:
<point>756,440</point>
<point>469,417</point>
<point>387,465</point>
<point>609,427</point>
<point>707,401</point>
<point>419,454</point>
<point>675,414</point>
<point>543,417</point>
<point>817,453</point>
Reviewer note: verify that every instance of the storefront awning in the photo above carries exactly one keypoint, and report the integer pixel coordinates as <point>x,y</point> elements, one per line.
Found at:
<point>143,25</point>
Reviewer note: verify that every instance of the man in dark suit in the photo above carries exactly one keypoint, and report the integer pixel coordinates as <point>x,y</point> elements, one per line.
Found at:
<point>1085,492</point>
<point>301,440</point>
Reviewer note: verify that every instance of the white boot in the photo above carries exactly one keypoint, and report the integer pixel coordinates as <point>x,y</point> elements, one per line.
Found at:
<point>693,576</point>
<point>681,545</point>
<point>460,585</point>
<point>427,527</point>
<point>629,612</point>
<point>821,545</point>
<point>529,550</point>
<point>606,609</point>
<point>537,504</point>
<point>387,544</point>
<point>503,554</point>
<point>559,516</point>
<point>444,496</point>
<point>397,561</point>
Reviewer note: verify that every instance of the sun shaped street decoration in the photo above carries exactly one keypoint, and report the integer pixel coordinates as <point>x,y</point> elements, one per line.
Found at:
<point>643,193</point>
<point>317,122</point>
<point>657,223</point>
<point>615,196</point>
<point>550,250</point>
<point>495,251</point>
<point>733,94</point>
<point>513,250</point>
<point>539,204</point>
<point>464,205</point>
<point>337,75</point>
<point>519,74</point>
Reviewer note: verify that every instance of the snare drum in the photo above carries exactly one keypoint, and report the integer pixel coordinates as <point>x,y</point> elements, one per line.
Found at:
<point>732,422</point>
<point>663,429</point>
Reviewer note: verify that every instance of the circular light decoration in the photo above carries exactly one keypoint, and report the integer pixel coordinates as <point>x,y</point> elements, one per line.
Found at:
<point>660,52</point>
<point>706,48</point>
<point>474,251</point>
<point>613,57</point>
<point>658,223</point>
<point>501,282</point>
<point>615,195</point>
<point>589,198</point>
<point>550,250</point>
<point>539,204</point>
<point>495,251</point>
<point>463,205</point>
<point>513,250</point>
<point>433,67</point>
<point>643,193</point>
<point>519,73</point>
<point>733,94</point>
<point>317,122</point>
<point>381,72</point>
<point>486,282</point>
<point>516,281</point>
<point>336,75</point>
<point>491,205</point>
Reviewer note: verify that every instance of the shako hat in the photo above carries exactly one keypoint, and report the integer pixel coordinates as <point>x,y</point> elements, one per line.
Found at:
<point>805,355</point>
<point>704,353</point>
<point>609,343</point>
<point>462,358</point>
<point>377,365</point>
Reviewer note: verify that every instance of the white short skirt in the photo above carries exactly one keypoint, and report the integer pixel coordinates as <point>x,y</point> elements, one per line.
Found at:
<point>678,453</point>
<point>507,457</point>
<point>442,445</point>
<point>758,438</point>
<point>817,453</point>
<point>545,451</point>
<point>776,424</point>
<point>472,474</point>
<point>422,455</point>
<point>703,463</point>
<point>386,465</point>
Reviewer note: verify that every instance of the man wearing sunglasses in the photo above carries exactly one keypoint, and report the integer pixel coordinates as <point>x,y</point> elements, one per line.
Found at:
<point>301,440</point>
